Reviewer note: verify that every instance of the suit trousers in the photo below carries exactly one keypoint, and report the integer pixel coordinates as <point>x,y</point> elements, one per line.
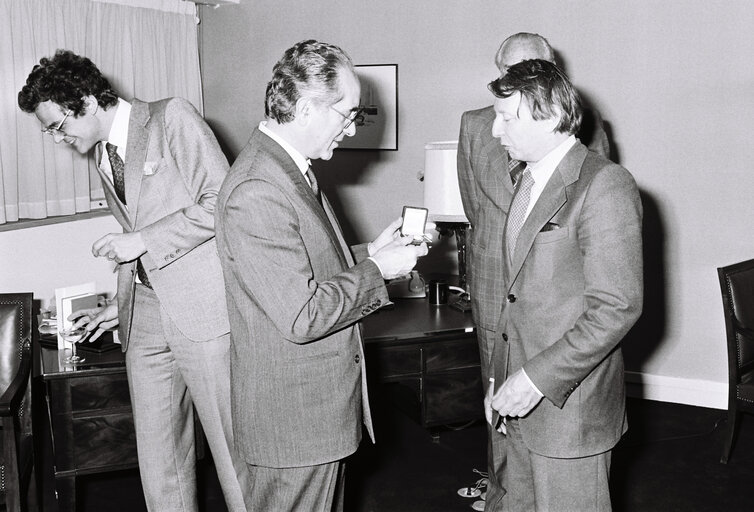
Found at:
<point>545,484</point>
<point>303,489</point>
<point>170,375</point>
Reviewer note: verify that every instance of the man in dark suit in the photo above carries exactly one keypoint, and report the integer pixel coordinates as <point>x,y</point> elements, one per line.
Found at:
<point>296,291</point>
<point>570,263</point>
<point>161,168</point>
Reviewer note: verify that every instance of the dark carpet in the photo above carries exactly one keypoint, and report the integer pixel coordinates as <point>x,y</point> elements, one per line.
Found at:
<point>668,461</point>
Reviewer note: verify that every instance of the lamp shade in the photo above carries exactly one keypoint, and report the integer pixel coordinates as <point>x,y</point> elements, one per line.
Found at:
<point>442,197</point>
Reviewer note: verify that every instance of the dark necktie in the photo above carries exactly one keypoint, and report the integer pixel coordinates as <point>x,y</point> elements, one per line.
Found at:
<point>117,167</point>
<point>314,184</point>
<point>515,168</point>
<point>517,215</point>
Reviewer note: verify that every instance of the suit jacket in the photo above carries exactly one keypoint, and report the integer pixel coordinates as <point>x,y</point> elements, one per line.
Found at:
<point>486,192</point>
<point>295,296</point>
<point>173,171</point>
<point>568,295</point>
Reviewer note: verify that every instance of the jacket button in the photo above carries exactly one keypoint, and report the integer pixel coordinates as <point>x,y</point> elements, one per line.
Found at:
<point>511,298</point>
<point>505,337</point>
<point>357,359</point>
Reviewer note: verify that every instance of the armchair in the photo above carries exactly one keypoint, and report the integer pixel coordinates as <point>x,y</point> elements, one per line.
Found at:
<point>737,287</point>
<point>17,485</point>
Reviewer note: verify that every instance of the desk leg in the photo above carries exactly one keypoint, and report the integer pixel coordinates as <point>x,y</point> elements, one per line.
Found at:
<point>65,492</point>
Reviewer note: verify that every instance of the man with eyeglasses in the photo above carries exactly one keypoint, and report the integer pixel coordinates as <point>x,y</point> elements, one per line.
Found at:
<point>296,291</point>
<point>161,168</point>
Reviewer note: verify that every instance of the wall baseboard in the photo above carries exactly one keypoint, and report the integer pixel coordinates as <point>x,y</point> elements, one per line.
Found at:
<point>702,393</point>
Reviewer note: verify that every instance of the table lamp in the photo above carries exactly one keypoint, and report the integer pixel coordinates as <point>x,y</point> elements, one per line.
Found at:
<point>442,198</point>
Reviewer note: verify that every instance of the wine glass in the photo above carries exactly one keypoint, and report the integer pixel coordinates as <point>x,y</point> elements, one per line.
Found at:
<point>73,336</point>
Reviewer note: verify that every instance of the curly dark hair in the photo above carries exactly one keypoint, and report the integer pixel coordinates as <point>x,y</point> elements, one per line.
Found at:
<point>544,85</point>
<point>307,69</point>
<point>65,79</point>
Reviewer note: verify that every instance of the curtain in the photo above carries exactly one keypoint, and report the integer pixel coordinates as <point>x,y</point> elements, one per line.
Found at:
<point>146,52</point>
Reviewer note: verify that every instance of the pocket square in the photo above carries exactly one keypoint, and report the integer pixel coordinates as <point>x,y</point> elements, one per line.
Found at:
<point>550,226</point>
<point>150,168</point>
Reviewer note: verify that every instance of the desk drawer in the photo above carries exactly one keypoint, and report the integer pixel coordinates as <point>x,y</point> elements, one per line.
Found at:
<point>391,362</point>
<point>99,393</point>
<point>104,440</point>
<point>452,353</point>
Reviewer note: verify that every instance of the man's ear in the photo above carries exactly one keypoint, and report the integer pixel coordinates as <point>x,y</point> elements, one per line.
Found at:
<point>554,121</point>
<point>304,111</point>
<point>90,104</point>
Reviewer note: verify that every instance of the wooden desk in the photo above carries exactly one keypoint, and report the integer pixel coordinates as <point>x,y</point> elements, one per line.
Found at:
<point>89,409</point>
<point>431,355</point>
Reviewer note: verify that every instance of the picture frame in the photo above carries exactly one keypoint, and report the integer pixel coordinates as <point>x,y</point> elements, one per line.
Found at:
<point>377,126</point>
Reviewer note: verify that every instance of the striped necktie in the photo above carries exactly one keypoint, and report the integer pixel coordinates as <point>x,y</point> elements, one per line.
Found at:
<point>515,168</point>
<point>314,184</point>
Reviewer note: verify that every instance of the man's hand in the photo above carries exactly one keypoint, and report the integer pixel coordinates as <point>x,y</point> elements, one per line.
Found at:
<point>121,248</point>
<point>388,235</point>
<point>397,258</point>
<point>392,233</point>
<point>488,408</point>
<point>516,397</point>
<point>101,318</point>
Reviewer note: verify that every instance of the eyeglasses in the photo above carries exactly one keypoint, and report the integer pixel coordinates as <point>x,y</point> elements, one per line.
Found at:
<point>56,130</point>
<point>357,116</point>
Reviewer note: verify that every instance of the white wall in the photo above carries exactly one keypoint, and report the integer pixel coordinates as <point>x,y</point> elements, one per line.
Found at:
<point>43,258</point>
<point>674,79</point>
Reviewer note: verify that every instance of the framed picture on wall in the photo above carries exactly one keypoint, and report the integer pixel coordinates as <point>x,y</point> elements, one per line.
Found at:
<point>377,124</point>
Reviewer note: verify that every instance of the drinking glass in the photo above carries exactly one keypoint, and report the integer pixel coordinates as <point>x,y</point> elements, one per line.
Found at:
<point>73,336</point>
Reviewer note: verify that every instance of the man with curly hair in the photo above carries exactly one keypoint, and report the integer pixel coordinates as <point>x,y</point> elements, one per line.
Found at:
<point>161,168</point>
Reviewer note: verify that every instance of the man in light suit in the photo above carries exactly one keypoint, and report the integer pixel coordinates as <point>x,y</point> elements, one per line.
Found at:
<point>570,258</point>
<point>296,291</point>
<point>485,174</point>
<point>161,168</point>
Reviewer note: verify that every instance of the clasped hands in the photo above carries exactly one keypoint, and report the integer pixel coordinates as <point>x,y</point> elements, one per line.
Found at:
<point>393,252</point>
<point>515,399</point>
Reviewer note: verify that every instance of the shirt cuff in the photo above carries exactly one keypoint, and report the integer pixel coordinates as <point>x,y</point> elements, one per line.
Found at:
<point>531,383</point>
<point>378,265</point>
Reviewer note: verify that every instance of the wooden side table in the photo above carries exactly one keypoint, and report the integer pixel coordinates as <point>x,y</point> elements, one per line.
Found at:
<point>431,353</point>
<point>89,409</point>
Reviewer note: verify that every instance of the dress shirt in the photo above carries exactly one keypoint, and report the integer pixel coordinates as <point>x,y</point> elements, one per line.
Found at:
<point>118,136</point>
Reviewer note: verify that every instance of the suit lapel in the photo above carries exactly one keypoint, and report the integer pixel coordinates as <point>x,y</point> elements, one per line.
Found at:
<point>136,154</point>
<point>552,199</point>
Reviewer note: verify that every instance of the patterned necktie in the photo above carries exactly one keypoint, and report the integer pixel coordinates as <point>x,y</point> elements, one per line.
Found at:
<point>117,167</point>
<point>517,214</point>
<point>515,168</point>
<point>314,184</point>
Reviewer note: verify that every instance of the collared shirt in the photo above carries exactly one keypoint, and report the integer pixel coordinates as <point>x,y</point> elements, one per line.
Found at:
<point>118,136</point>
<point>543,170</point>
<point>300,160</point>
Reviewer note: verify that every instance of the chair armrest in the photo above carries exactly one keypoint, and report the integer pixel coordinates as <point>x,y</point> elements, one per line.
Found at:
<point>12,397</point>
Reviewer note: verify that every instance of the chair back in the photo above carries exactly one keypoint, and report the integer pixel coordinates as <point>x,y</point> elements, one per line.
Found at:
<point>737,286</point>
<point>15,334</point>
